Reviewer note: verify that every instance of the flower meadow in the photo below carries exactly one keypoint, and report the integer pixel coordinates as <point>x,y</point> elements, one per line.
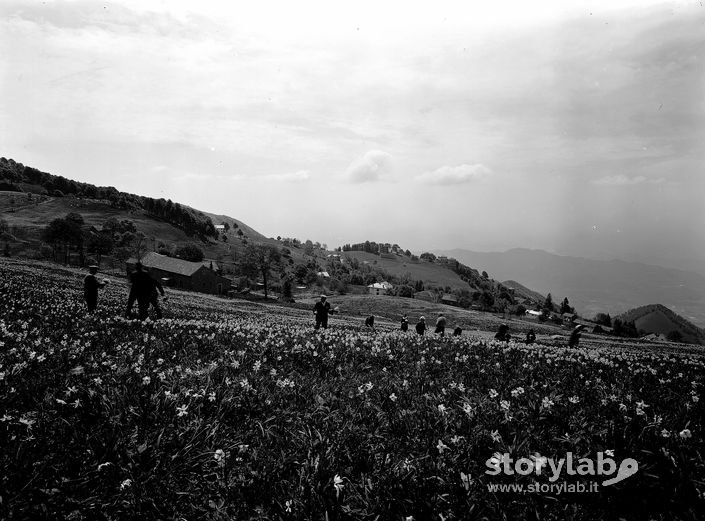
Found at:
<point>235,410</point>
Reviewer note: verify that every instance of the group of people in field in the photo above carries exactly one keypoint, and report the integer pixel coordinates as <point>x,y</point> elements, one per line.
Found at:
<point>144,289</point>
<point>322,309</point>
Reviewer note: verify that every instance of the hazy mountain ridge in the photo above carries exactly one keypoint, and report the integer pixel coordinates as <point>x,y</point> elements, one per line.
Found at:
<point>594,286</point>
<point>656,318</point>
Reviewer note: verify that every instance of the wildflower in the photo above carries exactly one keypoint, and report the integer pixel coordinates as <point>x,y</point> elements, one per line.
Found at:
<point>493,393</point>
<point>441,408</point>
<point>441,446</point>
<point>547,403</point>
<point>393,397</point>
<point>146,380</point>
<point>288,505</point>
<point>125,484</point>
<point>574,399</point>
<point>465,480</point>
<point>256,367</point>
<point>219,456</point>
<point>211,397</point>
<point>504,404</point>
<point>338,485</point>
<point>467,409</point>
<point>685,434</point>
<point>517,392</point>
<point>182,410</point>
<point>665,433</point>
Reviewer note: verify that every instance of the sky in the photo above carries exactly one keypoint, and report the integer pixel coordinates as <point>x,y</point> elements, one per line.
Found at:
<point>575,127</point>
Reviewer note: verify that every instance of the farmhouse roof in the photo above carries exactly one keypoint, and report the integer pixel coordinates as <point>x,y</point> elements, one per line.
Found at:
<point>169,264</point>
<point>381,285</point>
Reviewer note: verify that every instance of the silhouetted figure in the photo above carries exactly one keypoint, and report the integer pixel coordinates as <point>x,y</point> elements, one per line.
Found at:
<point>404,323</point>
<point>321,309</point>
<point>458,331</point>
<point>503,333</point>
<point>575,336</point>
<point>154,301</point>
<point>530,337</point>
<point>421,326</point>
<point>370,321</point>
<point>441,325</point>
<point>90,288</point>
<point>142,290</point>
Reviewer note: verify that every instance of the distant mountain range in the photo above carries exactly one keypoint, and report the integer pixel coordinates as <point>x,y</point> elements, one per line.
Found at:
<point>594,286</point>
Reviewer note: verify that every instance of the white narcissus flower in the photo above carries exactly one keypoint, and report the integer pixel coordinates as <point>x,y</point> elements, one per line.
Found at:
<point>685,434</point>
<point>338,485</point>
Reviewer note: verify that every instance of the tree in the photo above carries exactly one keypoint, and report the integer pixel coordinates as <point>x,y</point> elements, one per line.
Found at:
<point>565,306</point>
<point>603,319</point>
<point>189,252</point>
<point>405,291</point>
<point>286,291</point>
<point>260,259</point>
<point>101,244</point>
<point>675,336</point>
<point>548,306</point>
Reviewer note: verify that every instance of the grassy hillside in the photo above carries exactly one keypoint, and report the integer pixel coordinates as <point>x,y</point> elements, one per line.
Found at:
<point>522,291</point>
<point>433,274</point>
<point>658,319</point>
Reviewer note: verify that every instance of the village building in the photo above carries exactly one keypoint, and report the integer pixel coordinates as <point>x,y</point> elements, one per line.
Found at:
<point>449,299</point>
<point>178,273</point>
<point>379,288</point>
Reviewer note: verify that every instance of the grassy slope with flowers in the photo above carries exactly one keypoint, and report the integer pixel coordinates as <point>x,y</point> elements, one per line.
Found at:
<point>223,412</point>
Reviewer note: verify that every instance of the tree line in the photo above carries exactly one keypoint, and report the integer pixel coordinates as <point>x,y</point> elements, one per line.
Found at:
<point>17,177</point>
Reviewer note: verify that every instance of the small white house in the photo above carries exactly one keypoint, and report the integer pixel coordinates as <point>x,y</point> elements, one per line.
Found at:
<point>219,227</point>
<point>379,288</point>
<point>323,274</point>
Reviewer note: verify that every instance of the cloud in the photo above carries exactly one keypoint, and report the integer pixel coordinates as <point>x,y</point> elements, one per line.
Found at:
<point>455,175</point>
<point>623,180</point>
<point>301,175</point>
<point>371,167</point>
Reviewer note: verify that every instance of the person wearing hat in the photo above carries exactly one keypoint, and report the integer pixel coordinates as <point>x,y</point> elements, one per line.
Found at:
<point>321,309</point>
<point>575,336</point>
<point>90,288</point>
<point>421,326</point>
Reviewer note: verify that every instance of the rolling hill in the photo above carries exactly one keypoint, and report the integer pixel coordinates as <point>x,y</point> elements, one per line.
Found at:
<point>658,319</point>
<point>594,286</point>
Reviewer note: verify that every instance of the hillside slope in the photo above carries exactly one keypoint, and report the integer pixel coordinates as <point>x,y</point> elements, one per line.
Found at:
<point>594,286</point>
<point>655,318</point>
